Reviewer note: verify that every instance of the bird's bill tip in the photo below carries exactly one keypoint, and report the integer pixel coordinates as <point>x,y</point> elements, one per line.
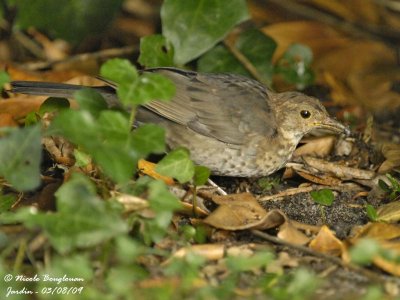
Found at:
<point>334,126</point>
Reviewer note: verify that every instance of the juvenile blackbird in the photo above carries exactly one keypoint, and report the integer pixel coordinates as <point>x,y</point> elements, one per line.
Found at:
<point>231,124</point>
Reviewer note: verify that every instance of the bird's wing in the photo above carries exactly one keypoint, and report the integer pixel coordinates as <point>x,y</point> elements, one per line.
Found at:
<point>225,107</point>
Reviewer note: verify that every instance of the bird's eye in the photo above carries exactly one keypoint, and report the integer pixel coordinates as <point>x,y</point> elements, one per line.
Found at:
<point>305,114</point>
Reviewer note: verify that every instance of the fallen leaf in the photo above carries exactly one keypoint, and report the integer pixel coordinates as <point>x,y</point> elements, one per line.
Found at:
<point>326,242</point>
<point>148,168</point>
<point>242,211</point>
<point>290,233</point>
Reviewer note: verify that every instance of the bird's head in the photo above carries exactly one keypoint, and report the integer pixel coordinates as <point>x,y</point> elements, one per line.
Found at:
<point>299,114</point>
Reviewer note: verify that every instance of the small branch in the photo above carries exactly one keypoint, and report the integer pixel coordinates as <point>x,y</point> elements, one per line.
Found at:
<point>243,60</point>
<point>102,54</point>
<point>337,261</point>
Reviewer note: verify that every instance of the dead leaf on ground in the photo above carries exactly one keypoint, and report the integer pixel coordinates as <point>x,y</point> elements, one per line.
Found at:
<point>391,152</point>
<point>389,212</point>
<point>326,242</point>
<point>290,233</point>
<point>242,211</point>
<point>387,236</point>
<point>148,168</point>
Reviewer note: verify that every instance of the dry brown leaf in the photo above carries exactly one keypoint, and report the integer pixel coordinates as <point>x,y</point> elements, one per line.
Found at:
<point>7,120</point>
<point>389,212</point>
<point>378,231</point>
<point>187,209</point>
<point>148,168</point>
<point>18,107</point>
<point>387,236</point>
<point>391,152</point>
<point>290,233</point>
<point>319,146</point>
<point>320,37</point>
<point>242,211</point>
<point>326,242</point>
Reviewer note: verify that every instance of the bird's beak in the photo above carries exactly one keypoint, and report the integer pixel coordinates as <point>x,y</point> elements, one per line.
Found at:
<point>333,126</point>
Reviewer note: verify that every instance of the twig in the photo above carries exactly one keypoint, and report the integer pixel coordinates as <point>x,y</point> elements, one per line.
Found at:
<point>219,189</point>
<point>369,31</point>
<point>102,54</point>
<point>243,60</point>
<point>364,272</point>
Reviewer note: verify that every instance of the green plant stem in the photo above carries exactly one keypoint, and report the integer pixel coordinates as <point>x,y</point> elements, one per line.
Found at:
<point>20,255</point>
<point>323,216</point>
<point>132,117</point>
<point>194,202</point>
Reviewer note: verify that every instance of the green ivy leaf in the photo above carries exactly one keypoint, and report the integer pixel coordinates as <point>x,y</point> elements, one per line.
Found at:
<point>155,51</point>
<point>91,100</point>
<point>177,164</point>
<point>82,219</point>
<point>121,71</point>
<point>20,157</point>
<point>371,213</point>
<point>72,20</point>
<point>149,138</point>
<point>6,202</point>
<point>323,197</point>
<point>133,89</point>
<point>295,65</point>
<point>53,104</point>
<point>195,26</point>
<point>364,251</point>
<point>4,78</point>
<point>220,60</point>
<point>244,263</point>
<point>153,86</point>
<point>260,53</point>
<point>201,175</point>
<point>106,139</point>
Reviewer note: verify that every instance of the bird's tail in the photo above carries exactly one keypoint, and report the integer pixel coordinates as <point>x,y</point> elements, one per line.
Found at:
<point>61,90</point>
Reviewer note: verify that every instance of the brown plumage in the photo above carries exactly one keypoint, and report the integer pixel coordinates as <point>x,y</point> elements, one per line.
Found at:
<point>230,123</point>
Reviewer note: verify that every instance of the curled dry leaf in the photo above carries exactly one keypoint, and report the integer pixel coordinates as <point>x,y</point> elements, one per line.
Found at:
<point>389,212</point>
<point>340,171</point>
<point>326,242</point>
<point>391,152</point>
<point>387,235</point>
<point>289,233</point>
<point>242,211</point>
<point>7,119</point>
<point>148,168</point>
<point>320,37</point>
